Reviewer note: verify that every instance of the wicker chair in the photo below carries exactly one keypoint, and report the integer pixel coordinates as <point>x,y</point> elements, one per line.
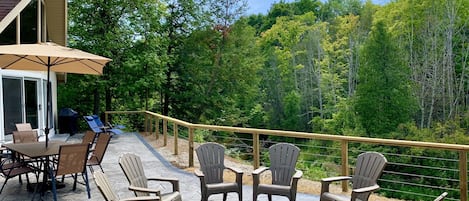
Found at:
<point>99,150</point>
<point>211,158</point>
<point>283,158</point>
<point>133,170</point>
<point>369,167</point>
<point>109,195</point>
<point>72,160</point>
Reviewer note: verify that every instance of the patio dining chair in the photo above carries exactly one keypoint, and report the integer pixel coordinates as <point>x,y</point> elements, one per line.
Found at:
<point>284,176</point>
<point>24,127</point>
<point>106,190</point>
<point>89,138</point>
<point>10,168</point>
<point>369,168</point>
<point>97,154</point>
<point>25,136</point>
<point>71,161</point>
<point>132,167</point>
<point>212,158</point>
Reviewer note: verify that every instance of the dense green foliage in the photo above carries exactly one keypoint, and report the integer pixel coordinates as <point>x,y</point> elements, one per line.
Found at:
<point>339,67</point>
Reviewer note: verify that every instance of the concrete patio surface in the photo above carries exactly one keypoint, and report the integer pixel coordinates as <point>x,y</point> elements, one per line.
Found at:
<point>155,166</point>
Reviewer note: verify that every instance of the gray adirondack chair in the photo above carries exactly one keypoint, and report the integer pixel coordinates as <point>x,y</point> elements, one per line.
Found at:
<point>441,197</point>
<point>368,169</point>
<point>132,166</point>
<point>211,158</point>
<point>109,195</point>
<point>283,158</point>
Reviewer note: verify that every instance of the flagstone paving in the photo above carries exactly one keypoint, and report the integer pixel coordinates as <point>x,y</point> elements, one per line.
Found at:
<point>155,166</point>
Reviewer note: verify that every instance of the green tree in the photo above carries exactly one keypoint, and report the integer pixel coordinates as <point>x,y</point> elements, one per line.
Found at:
<point>383,96</point>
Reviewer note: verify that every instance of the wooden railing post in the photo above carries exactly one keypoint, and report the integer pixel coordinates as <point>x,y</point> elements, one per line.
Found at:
<point>165,132</point>
<point>191,147</point>
<point>345,166</point>
<point>175,132</point>
<point>157,127</point>
<point>255,150</point>
<point>150,124</point>
<point>463,175</point>
<point>146,123</point>
<point>106,118</point>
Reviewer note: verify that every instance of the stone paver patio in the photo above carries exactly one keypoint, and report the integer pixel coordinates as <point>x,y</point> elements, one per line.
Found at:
<point>155,166</point>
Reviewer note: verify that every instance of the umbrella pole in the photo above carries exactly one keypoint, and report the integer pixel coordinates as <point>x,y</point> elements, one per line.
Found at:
<point>46,130</point>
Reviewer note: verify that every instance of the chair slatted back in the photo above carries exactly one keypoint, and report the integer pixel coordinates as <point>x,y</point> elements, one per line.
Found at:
<point>88,138</point>
<point>369,167</point>
<point>24,136</point>
<point>283,158</point>
<point>212,161</point>
<point>132,166</point>
<point>72,159</point>
<point>104,186</point>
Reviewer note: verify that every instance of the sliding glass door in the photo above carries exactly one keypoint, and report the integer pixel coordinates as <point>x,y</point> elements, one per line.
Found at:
<point>21,103</point>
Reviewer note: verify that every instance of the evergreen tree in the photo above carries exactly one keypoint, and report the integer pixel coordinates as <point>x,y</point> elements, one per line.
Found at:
<point>383,96</point>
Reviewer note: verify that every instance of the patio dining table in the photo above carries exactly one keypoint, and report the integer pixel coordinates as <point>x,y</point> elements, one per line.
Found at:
<point>38,150</point>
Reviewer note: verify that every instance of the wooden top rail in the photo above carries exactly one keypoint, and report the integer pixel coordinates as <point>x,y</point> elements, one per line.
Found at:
<point>305,135</point>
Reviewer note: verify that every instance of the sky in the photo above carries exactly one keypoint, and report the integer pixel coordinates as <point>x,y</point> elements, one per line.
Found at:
<point>262,6</point>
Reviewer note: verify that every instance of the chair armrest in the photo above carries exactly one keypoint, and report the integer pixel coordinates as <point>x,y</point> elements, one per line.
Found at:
<point>173,181</point>
<point>255,176</point>
<point>141,198</point>
<point>198,173</point>
<point>366,189</point>
<point>148,190</point>
<point>333,179</point>
<point>259,170</point>
<point>298,174</point>
<point>235,170</point>
<point>326,181</point>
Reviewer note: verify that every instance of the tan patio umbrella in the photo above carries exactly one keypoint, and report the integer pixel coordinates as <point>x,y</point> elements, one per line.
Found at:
<point>50,57</point>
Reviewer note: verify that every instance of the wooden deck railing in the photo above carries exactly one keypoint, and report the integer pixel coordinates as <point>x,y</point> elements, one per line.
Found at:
<point>152,121</point>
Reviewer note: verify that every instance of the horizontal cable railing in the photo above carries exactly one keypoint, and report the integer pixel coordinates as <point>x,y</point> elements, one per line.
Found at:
<point>333,153</point>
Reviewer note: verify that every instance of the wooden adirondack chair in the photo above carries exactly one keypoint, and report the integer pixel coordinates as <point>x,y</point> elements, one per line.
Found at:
<point>368,169</point>
<point>109,195</point>
<point>211,158</point>
<point>132,166</point>
<point>441,197</point>
<point>283,158</point>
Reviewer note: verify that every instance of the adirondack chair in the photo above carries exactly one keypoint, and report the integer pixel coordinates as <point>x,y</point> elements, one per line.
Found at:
<point>283,158</point>
<point>368,169</point>
<point>441,197</point>
<point>106,190</point>
<point>211,158</point>
<point>132,166</point>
